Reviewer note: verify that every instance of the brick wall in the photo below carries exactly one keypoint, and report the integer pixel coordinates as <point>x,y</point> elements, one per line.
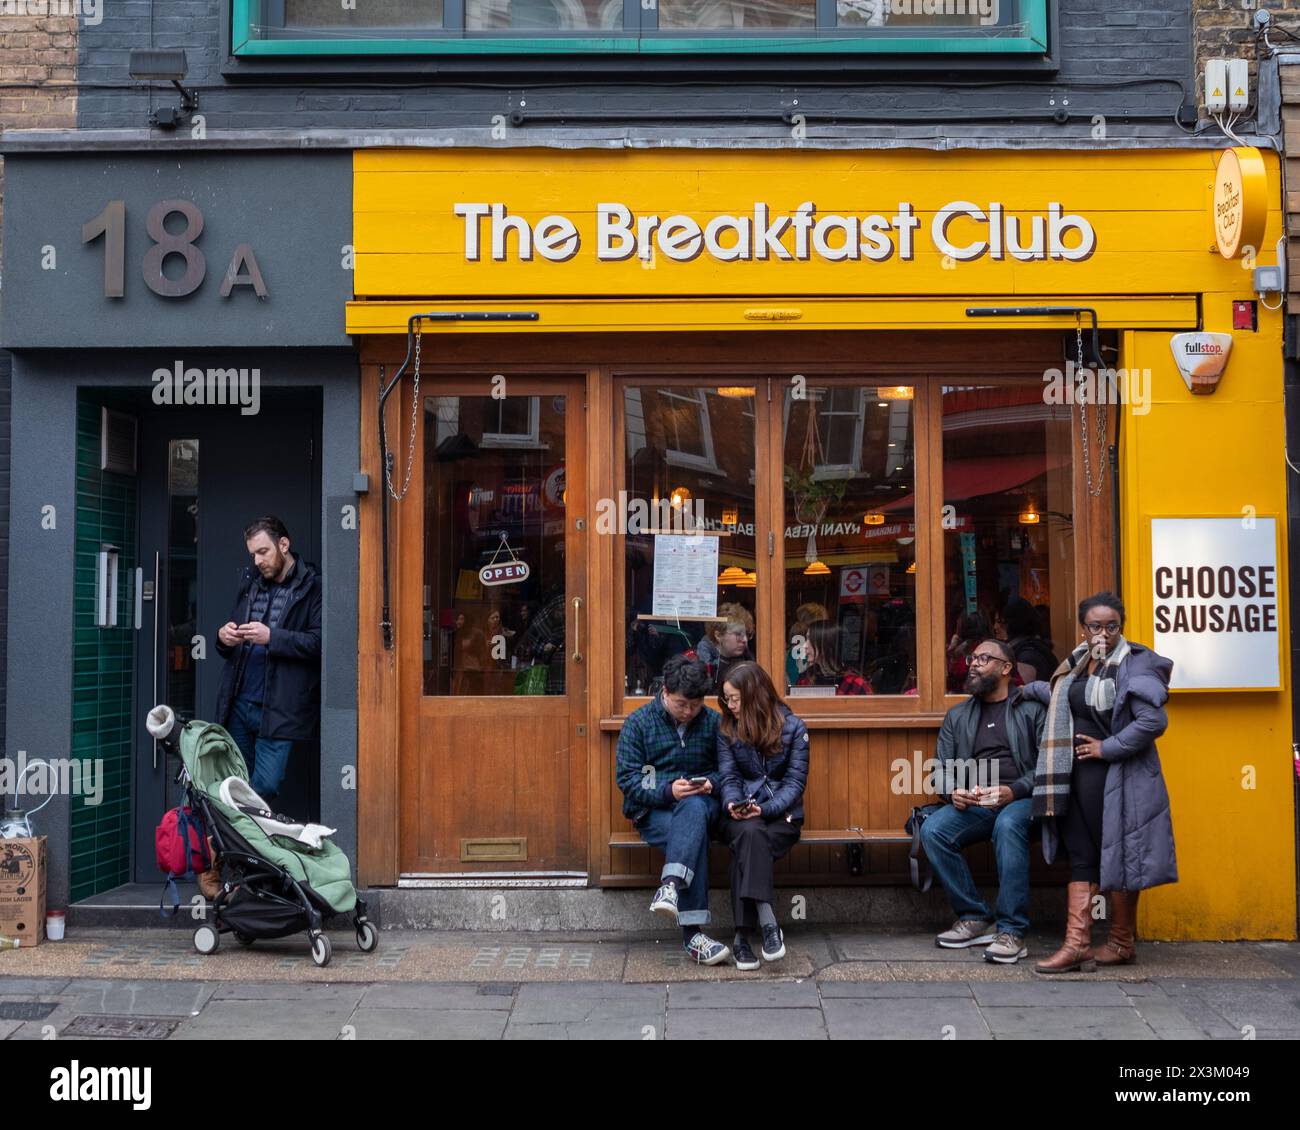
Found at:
<point>38,67</point>
<point>1226,29</point>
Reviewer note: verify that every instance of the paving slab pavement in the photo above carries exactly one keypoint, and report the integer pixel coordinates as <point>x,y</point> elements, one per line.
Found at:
<point>836,983</point>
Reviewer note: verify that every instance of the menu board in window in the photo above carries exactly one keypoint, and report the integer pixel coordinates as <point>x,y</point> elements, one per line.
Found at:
<point>686,576</point>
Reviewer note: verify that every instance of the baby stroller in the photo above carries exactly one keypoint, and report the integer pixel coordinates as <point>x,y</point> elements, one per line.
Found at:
<point>277,878</point>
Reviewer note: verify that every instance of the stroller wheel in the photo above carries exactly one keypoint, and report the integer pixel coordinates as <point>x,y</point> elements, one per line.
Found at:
<point>206,939</point>
<point>321,950</point>
<point>243,939</point>
<point>367,937</point>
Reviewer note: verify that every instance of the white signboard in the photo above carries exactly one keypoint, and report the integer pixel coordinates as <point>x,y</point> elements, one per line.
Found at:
<point>1215,601</point>
<point>686,575</point>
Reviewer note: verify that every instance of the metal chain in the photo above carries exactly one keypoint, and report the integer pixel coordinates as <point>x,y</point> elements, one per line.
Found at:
<point>1100,423</point>
<point>415,406</point>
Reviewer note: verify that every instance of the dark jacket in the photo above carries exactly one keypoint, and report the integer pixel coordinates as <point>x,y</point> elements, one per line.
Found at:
<point>777,783</point>
<point>291,705</point>
<point>1025,719</point>
<point>651,755</point>
<point>1137,828</point>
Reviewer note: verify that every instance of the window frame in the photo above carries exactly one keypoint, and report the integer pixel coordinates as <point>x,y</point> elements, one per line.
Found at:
<point>771,614</point>
<point>1033,46</point>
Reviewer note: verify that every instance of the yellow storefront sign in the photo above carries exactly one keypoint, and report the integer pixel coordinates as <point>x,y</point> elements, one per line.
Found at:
<point>618,225</point>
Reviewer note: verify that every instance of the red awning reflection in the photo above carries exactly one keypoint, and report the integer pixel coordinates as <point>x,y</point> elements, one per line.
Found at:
<point>994,474</point>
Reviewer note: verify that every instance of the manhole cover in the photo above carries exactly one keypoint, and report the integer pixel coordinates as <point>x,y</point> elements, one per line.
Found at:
<point>120,1027</point>
<point>26,1010</point>
<point>493,989</point>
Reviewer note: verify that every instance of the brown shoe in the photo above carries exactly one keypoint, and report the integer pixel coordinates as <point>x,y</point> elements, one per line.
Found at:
<point>1076,951</point>
<point>1121,947</point>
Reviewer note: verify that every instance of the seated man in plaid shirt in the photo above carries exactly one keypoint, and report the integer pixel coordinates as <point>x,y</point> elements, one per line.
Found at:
<point>668,774</point>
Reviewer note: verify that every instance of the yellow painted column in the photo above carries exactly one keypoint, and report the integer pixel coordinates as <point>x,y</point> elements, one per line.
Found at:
<point>1227,755</point>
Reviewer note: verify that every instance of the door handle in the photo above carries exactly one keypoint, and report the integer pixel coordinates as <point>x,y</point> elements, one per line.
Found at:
<point>157,561</point>
<point>577,623</point>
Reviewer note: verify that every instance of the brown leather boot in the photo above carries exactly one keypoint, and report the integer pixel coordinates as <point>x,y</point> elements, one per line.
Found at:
<point>1121,947</point>
<point>1076,950</point>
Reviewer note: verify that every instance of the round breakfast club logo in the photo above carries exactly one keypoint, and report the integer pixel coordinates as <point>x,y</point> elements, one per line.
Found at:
<point>1240,187</point>
<point>17,863</point>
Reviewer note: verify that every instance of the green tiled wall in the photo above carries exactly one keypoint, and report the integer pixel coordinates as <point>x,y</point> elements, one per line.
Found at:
<point>103,667</point>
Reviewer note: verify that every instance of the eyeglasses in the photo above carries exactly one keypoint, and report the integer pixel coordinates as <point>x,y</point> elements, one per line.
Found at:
<point>1111,629</point>
<point>980,658</point>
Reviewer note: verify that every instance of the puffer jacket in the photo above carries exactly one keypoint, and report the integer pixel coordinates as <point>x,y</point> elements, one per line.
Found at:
<point>776,783</point>
<point>1137,829</point>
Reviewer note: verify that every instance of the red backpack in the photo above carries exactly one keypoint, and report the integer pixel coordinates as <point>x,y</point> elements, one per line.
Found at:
<point>182,844</point>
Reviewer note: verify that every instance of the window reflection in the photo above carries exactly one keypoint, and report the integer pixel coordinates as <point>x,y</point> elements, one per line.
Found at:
<point>850,540</point>
<point>1009,535</point>
<point>494,496</point>
<point>689,494</point>
<point>736,14</point>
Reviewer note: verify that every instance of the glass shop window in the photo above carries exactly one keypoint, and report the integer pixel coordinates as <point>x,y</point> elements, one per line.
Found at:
<point>687,515</point>
<point>1008,532</point>
<point>850,541</point>
<point>494,500</point>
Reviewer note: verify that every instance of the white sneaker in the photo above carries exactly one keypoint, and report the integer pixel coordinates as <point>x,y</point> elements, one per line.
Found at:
<point>665,902</point>
<point>703,950</point>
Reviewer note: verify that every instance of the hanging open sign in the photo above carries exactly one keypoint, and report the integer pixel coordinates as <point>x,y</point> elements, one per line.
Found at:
<point>507,573</point>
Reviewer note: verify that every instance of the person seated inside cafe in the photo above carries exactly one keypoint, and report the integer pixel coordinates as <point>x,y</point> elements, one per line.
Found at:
<point>822,653</point>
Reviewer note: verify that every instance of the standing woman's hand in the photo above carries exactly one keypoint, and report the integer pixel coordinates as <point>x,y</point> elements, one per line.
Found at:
<point>1086,749</point>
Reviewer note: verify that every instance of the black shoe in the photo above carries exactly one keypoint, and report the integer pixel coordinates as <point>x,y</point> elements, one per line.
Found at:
<point>742,954</point>
<point>773,943</point>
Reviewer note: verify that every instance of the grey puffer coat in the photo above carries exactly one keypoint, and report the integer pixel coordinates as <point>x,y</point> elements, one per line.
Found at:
<point>1137,831</point>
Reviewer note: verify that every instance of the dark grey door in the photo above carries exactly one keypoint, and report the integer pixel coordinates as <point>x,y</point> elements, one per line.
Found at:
<point>205,474</point>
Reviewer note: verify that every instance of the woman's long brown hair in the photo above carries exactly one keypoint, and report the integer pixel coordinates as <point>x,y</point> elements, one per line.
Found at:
<point>759,722</point>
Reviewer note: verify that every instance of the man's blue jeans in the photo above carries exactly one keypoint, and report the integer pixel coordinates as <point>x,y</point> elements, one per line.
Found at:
<point>266,759</point>
<point>948,831</point>
<point>683,832</point>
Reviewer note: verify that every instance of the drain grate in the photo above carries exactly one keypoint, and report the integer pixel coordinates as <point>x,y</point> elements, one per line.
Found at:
<point>496,989</point>
<point>120,1027</point>
<point>26,1010</point>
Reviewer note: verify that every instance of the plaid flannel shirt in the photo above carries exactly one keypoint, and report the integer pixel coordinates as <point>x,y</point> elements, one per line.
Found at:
<point>651,756</point>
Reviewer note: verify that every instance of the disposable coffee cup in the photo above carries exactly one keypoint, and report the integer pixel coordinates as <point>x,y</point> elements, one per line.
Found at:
<point>55,920</point>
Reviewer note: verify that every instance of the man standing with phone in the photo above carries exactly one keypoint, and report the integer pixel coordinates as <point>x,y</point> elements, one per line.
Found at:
<point>988,748</point>
<point>667,770</point>
<point>270,689</point>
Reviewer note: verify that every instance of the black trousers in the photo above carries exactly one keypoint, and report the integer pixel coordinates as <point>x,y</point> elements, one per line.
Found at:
<point>755,845</point>
<point>1081,825</point>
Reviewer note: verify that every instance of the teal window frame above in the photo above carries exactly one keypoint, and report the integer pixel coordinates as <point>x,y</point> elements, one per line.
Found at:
<point>1034,42</point>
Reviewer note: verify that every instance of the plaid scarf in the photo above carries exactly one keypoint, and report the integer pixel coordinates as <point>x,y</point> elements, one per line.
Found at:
<point>1056,757</point>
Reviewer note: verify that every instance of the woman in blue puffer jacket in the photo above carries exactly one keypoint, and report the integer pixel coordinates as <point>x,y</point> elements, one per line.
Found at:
<point>763,763</point>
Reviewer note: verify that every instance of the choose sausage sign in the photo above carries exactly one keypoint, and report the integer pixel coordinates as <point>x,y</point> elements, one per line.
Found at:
<point>1215,601</point>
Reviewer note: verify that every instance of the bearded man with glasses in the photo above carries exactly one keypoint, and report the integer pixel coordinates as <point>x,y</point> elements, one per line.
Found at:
<point>987,749</point>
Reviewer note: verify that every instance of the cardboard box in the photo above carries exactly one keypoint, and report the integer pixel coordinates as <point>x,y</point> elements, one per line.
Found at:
<point>22,889</point>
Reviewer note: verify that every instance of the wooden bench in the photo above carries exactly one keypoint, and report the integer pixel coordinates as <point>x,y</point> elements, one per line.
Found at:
<point>855,839</point>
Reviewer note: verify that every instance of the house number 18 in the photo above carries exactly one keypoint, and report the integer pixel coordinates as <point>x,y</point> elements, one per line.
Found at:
<point>111,224</point>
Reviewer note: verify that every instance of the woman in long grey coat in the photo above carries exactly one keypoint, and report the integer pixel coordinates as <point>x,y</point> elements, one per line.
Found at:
<point>1098,786</point>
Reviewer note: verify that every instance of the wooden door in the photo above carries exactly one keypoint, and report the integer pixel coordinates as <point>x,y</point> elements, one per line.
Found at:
<point>492,758</point>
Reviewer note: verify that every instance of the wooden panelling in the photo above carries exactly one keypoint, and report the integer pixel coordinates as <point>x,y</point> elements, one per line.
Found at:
<point>862,779</point>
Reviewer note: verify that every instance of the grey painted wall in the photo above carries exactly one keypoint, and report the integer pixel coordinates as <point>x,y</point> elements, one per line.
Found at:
<point>1112,52</point>
<point>6,378</point>
<point>40,625</point>
<point>293,209</point>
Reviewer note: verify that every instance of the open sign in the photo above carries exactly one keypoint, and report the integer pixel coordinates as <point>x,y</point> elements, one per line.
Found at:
<point>507,573</point>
